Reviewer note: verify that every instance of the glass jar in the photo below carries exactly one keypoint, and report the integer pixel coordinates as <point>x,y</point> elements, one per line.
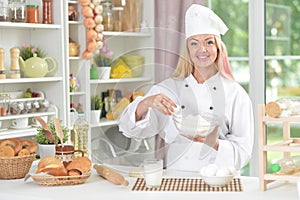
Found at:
<point>32,12</point>
<point>81,129</point>
<point>4,104</point>
<point>47,12</point>
<point>18,10</point>
<point>117,16</point>
<point>4,14</point>
<point>107,15</point>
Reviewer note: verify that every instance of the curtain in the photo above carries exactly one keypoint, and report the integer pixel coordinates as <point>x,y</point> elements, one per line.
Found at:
<point>169,34</point>
<point>169,38</point>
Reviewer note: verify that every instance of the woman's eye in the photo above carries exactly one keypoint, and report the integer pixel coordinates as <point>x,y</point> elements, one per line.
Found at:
<point>194,43</point>
<point>210,43</point>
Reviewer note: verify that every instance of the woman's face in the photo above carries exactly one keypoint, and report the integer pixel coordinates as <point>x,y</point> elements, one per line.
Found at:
<point>203,50</point>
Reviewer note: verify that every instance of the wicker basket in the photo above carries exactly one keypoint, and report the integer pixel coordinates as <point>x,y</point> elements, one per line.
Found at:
<point>15,167</point>
<point>61,180</point>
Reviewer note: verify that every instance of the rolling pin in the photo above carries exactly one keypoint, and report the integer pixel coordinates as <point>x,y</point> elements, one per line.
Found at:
<point>110,175</point>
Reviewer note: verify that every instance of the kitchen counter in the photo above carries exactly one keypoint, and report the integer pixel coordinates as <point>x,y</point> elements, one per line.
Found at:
<point>99,188</point>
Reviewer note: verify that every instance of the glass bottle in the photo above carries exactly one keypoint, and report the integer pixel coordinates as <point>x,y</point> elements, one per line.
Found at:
<point>47,12</point>
<point>107,15</point>
<point>283,107</point>
<point>289,165</point>
<point>81,129</point>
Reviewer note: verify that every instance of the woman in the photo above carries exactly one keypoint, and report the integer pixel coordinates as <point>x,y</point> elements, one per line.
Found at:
<point>202,84</point>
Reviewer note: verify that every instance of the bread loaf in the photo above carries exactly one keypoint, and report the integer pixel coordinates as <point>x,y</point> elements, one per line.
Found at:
<point>80,164</point>
<point>52,166</point>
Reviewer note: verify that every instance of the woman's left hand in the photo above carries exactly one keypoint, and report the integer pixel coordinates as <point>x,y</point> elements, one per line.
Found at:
<point>210,140</point>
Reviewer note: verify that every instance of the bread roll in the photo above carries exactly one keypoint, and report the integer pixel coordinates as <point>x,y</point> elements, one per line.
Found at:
<point>55,171</point>
<point>24,152</point>
<point>7,151</point>
<point>14,143</point>
<point>52,166</point>
<point>82,164</point>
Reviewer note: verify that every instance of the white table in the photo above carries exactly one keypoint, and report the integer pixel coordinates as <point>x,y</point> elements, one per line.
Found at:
<point>99,189</point>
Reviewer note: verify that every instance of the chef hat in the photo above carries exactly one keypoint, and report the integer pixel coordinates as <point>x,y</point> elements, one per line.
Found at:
<point>202,20</point>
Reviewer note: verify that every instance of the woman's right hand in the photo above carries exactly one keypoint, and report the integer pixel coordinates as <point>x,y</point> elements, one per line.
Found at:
<point>159,102</point>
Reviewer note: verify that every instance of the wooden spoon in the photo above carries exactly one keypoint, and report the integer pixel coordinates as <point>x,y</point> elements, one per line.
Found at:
<point>50,137</point>
<point>59,131</point>
<point>43,123</point>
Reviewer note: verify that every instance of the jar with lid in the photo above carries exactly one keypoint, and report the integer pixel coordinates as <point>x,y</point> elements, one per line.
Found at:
<point>107,15</point>
<point>18,10</point>
<point>32,12</point>
<point>81,129</point>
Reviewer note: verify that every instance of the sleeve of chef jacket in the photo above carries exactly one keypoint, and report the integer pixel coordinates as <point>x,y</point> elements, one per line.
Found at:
<point>148,126</point>
<point>236,149</point>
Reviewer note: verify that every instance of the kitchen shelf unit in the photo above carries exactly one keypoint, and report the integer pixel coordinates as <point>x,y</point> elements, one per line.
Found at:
<point>125,43</point>
<point>75,64</point>
<point>17,34</point>
<point>287,146</point>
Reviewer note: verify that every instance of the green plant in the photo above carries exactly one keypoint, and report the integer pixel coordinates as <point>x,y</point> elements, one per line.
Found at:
<point>105,56</point>
<point>27,51</point>
<point>40,137</point>
<point>96,102</point>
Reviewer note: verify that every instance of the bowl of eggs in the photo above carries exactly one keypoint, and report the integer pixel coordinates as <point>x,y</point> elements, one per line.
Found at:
<point>217,177</point>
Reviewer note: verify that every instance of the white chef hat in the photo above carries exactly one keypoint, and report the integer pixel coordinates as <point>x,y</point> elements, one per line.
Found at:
<point>202,20</point>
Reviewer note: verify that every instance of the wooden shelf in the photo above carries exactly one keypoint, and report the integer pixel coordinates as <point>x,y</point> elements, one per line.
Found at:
<point>287,145</point>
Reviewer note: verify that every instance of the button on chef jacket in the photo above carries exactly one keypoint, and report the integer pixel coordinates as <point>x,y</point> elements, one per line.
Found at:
<point>219,96</point>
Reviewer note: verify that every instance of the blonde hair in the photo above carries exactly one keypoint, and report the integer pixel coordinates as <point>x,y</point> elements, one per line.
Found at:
<point>185,66</point>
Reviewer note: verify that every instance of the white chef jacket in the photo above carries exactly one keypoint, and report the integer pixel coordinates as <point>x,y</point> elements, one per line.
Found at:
<point>219,96</point>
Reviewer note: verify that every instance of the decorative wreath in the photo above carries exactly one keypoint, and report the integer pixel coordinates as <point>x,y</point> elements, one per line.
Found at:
<point>92,11</point>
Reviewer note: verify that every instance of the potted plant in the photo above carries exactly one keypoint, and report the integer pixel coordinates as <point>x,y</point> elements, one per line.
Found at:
<point>96,106</point>
<point>27,51</point>
<point>46,146</point>
<point>103,61</point>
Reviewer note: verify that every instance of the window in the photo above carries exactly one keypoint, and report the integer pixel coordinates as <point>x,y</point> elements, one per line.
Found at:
<point>236,39</point>
<point>282,61</point>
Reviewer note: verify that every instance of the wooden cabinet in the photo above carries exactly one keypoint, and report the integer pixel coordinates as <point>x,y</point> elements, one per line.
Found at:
<point>286,146</point>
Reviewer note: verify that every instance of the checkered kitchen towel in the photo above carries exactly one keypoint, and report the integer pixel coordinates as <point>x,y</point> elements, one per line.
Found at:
<point>188,185</point>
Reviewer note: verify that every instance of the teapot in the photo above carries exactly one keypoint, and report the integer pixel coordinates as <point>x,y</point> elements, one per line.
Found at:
<point>36,67</point>
<point>73,49</point>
